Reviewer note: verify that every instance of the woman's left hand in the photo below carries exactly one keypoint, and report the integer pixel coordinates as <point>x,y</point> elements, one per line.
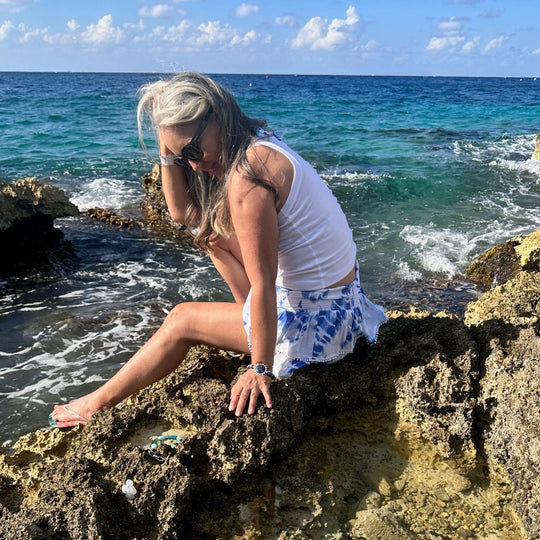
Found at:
<point>247,390</point>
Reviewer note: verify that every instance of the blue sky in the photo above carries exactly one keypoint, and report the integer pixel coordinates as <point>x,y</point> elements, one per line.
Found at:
<point>382,37</point>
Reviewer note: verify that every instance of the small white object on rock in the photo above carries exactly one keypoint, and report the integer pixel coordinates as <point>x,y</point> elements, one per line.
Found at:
<point>129,489</point>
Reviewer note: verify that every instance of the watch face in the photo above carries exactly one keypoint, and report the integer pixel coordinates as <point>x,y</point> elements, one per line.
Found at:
<point>260,369</point>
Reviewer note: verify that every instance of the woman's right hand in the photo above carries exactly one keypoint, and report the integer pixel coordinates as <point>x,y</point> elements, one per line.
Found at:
<point>246,392</point>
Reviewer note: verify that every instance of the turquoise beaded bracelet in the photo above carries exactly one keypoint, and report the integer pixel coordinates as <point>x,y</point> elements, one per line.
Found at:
<point>159,440</point>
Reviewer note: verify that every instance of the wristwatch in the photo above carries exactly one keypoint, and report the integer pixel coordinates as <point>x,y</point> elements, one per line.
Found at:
<point>261,369</point>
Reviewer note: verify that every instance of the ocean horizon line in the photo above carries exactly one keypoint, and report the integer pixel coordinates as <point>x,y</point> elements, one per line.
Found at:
<point>268,74</point>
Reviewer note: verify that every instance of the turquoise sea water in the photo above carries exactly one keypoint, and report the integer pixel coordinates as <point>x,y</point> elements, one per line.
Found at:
<point>430,172</point>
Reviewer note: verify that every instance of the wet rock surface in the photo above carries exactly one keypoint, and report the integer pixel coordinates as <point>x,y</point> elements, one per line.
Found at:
<point>28,197</point>
<point>431,433</point>
<point>503,262</point>
<point>111,218</point>
<point>28,239</point>
<point>30,243</point>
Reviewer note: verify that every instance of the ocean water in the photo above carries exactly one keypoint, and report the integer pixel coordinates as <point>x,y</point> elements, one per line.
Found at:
<point>430,172</point>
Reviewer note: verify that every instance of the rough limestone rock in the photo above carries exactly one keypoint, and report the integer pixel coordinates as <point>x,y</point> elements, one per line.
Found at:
<point>506,321</point>
<point>27,197</point>
<point>380,524</point>
<point>154,208</point>
<point>517,301</point>
<point>536,153</point>
<point>509,401</point>
<point>496,266</point>
<point>28,238</point>
<point>431,433</point>
<point>438,394</point>
<point>69,483</point>
<point>111,218</point>
<point>528,249</point>
<point>501,263</point>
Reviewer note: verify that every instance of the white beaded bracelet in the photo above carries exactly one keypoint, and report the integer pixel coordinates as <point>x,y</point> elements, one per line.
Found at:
<point>167,160</point>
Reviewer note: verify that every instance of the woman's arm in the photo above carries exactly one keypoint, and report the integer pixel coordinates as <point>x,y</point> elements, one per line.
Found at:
<point>174,184</point>
<point>254,218</point>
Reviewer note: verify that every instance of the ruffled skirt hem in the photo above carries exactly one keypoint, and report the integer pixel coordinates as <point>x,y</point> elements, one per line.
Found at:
<point>320,327</point>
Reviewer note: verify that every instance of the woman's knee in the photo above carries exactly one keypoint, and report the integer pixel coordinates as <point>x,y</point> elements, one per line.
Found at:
<point>219,246</point>
<point>179,319</point>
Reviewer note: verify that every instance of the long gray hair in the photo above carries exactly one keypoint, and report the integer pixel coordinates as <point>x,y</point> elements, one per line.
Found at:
<point>182,100</point>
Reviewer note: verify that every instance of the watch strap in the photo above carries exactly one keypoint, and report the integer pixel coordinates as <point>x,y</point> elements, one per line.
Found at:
<point>258,368</point>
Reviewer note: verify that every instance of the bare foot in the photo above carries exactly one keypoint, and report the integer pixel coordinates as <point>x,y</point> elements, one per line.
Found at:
<point>77,412</point>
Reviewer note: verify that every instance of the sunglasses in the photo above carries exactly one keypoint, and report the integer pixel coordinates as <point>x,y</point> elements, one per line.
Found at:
<point>192,151</point>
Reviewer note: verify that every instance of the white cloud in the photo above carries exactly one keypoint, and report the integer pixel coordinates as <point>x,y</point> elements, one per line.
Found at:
<point>103,32</point>
<point>452,39</point>
<point>204,36</point>
<point>134,26</point>
<point>495,43</point>
<point>370,45</point>
<point>441,43</point>
<point>287,20</point>
<point>471,45</point>
<point>185,35</point>
<point>29,34</point>
<point>537,51</point>
<point>5,29</point>
<point>214,34</point>
<point>318,34</point>
<point>450,36</point>
<point>246,39</point>
<point>15,5</point>
<point>173,33</point>
<point>159,10</point>
<point>370,50</point>
<point>450,27</point>
<point>73,25</point>
<point>42,35</point>
<point>246,9</point>
<point>491,14</point>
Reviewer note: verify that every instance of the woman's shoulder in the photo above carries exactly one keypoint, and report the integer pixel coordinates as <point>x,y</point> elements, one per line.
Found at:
<point>270,164</point>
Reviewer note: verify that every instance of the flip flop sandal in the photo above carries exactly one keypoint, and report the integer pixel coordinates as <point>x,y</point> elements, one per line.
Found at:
<point>68,423</point>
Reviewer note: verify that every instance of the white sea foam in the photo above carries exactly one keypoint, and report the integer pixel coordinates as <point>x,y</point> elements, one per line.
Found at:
<point>531,165</point>
<point>446,252</point>
<point>515,214</point>
<point>405,272</point>
<point>436,251</point>
<point>347,178</point>
<point>107,193</point>
<point>66,357</point>
<point>516,148</point>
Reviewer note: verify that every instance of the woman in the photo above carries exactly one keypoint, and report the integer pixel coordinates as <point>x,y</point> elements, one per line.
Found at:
<point>275,233</point>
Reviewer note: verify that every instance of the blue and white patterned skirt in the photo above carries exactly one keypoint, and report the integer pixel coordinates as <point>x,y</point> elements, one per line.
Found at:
<point>319,326</point>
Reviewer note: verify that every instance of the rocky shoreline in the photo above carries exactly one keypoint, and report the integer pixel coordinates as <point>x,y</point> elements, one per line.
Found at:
<point>433,433</point>
<point>28,239</point>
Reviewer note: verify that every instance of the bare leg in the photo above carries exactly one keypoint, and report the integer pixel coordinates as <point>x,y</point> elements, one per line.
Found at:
<point>227,258</point>
<point>214,323</point>
<point>188,324</point>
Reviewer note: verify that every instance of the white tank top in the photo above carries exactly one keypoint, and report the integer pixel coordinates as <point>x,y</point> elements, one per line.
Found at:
<point>316,247</point>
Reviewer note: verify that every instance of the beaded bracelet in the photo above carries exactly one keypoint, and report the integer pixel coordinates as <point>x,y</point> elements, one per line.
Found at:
<point>158,441</point>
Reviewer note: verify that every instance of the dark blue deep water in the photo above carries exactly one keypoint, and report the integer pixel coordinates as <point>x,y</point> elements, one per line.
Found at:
<point>430,172</point>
